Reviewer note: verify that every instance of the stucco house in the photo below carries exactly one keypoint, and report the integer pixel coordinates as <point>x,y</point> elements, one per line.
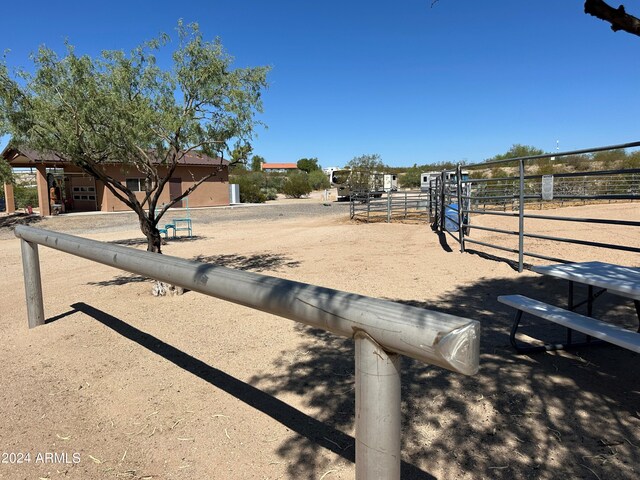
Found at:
<point>82,192</point>
<point>279,167</point>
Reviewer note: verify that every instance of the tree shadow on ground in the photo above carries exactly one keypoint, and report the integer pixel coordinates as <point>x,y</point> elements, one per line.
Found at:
<point>254,263</point>
<point>549,415</point>
<point>134,242</point>
<point>310,430</point>
<point>12,221</point>
<point>124,279</point>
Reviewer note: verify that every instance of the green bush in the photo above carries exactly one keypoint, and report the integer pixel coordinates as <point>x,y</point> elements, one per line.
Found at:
<point>274,180</point>
<point>296,185</point>
<point>632,161</point>
<point>478,174</point>
<point>318,180</point>
<point>25,196</point>
<point>498,172</point>
<point>250,187</point>
<point>270,193</point>
<point>411,178</point>
<point>546,168</point>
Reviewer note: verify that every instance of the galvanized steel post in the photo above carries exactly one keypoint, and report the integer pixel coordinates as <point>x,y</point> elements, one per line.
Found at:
<point>389,206</point>
<point>32,283</point>
<point>521,220</point>
<point>378,415</point>
<point>405,204</point>
<point>442,201</point>
<point>460,215</point>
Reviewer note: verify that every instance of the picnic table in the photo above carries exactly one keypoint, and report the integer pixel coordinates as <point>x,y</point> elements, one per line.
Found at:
<point>183,224</point>
<point>599,277</point>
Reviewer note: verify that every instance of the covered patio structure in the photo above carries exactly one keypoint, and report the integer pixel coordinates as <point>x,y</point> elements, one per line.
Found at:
<point>77,191</point>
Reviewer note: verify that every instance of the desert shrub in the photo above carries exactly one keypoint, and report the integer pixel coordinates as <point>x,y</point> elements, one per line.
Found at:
<point>318,180</point>
<point>546,168</point>
<point>498,172</point>
<point>24,196</point>
<point>411,178</point>
<point>270,193</point>
<point>631,161</point>
<point>296,185</point>
<point>478,174</point>
<point>274,180</point>
<point>250,187</point>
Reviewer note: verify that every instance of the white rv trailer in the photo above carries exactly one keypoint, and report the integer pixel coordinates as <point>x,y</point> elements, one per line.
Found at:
<point>425,180</point>
<point>348,182</point>
<point>390,182</point>
<point>450,177</point>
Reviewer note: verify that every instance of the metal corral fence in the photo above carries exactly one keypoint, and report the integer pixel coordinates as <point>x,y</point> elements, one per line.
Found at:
<point>389,206</point>
<point>382,330</point>
<point>568,189</point>
<point>516,196</point>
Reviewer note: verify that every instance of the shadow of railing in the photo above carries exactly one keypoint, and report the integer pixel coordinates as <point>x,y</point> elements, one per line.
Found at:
<point>509,420</point>
<point>311,431</point>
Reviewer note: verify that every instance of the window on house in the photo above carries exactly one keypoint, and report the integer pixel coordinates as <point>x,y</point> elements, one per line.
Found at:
<point>135,184</point>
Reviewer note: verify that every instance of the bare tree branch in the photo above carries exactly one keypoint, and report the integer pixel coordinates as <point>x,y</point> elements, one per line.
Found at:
<point>617,17</point>
<point>111,183</point>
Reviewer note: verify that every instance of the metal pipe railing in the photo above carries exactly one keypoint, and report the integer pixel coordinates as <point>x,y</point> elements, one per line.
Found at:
<point>382,329</point>
<point>404,203</point>
<point>557,154</point>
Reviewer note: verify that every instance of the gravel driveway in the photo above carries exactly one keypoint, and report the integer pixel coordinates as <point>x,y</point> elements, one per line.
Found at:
<point>109,222</point>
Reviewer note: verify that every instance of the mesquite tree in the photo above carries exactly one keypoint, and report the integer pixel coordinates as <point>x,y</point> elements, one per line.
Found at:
<point>125,109</point>
<point>617,17</point>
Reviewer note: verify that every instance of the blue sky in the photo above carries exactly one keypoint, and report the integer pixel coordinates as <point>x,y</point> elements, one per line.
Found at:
<point>462,80</point>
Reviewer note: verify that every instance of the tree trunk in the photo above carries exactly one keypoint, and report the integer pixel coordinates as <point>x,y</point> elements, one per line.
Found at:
<point>150,230</point>
<point>154,244</point>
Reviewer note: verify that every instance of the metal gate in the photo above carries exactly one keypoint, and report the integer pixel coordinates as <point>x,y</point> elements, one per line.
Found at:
<point>459,200</point>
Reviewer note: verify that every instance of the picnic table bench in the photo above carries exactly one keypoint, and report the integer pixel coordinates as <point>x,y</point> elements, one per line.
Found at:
<point>177,224</point>
<point>619,280</point>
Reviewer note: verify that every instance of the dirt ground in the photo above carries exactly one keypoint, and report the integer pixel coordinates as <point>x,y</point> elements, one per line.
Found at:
<point>119,384</point>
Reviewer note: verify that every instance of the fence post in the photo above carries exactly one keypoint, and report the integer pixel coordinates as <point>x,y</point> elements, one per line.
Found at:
<point>377,410</point>
<point>442,200</point>
<point>433,196</point>
<point>460,214</point>
<point>521,220</point>
<point>389,193</point>
<point>32,283</point>
<point>405,204</point>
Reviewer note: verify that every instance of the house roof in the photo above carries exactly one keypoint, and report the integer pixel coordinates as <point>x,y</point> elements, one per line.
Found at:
<point>273,166</point>
<point>23,156</point>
